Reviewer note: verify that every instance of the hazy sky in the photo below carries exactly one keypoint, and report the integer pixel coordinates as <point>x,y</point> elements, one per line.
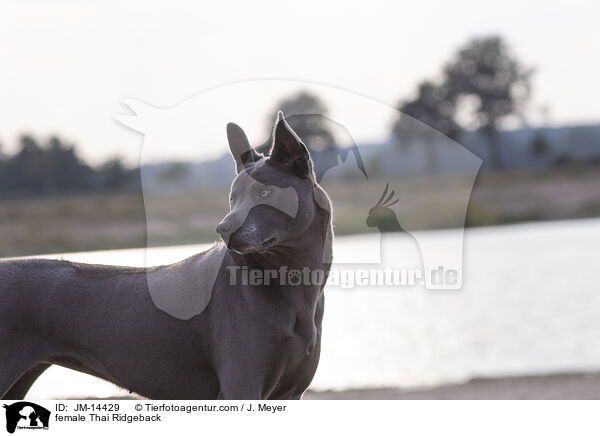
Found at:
<point>67,64</point>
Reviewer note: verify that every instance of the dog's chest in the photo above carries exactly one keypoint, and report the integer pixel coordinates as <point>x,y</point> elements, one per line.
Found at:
<point>305,336</point>
<point>299,355</point>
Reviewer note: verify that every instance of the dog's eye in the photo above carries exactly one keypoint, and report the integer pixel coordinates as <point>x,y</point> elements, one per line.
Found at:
<point>264,193</point>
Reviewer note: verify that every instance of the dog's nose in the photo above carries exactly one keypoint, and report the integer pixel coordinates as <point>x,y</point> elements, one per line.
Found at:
<point>223,227</point>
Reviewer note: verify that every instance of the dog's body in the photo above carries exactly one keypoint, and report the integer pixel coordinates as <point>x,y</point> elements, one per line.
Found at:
<point>250,342</point>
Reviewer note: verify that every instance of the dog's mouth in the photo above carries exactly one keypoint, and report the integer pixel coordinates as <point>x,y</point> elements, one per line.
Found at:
<point>245,248</point>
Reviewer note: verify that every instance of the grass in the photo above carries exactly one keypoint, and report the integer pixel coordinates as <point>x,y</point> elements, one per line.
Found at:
<point>110,221</point>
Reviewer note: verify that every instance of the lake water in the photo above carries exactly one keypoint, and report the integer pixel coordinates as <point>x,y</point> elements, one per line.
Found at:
<point>530,304</point>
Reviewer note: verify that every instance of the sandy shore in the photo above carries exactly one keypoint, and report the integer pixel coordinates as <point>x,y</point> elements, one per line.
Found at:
<point>569,386</point>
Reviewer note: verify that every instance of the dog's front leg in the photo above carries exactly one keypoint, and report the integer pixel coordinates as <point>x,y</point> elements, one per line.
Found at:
<point>243,381</point>
<point>242,390</point>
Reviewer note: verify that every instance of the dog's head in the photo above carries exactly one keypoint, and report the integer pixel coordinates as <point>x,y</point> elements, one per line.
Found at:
<point>271,199</point>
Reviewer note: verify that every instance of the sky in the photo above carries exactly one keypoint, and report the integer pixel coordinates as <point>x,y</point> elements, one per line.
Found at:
<point>67,64</point>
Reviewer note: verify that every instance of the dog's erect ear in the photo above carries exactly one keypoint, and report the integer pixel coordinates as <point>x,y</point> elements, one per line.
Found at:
<point>240,148</point>
<point>288,149</point>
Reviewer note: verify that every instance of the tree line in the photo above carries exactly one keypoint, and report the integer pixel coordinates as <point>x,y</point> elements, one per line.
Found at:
<point>478,88</point>
<point>54,167</point>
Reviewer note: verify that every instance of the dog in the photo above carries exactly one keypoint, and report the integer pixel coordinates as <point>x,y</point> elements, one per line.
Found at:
<point>134,326</point>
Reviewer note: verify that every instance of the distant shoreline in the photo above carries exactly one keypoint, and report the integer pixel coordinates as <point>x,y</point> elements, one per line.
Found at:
<point>103,221</point>
<point>559,386</point>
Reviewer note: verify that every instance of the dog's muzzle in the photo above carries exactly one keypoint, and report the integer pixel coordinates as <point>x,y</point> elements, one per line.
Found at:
<point>223,228</point>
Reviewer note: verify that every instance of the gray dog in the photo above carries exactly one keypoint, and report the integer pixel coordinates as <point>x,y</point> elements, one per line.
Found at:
<point>197,329</point>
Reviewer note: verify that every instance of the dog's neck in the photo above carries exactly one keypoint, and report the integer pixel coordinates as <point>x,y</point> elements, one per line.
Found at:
<point>305,251</point>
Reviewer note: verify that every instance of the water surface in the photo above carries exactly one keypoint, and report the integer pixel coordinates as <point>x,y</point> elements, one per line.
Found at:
<point>530,304</point>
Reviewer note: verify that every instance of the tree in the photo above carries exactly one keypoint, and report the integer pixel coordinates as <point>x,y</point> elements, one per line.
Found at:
<point>306,114</point>
<point>25,170</point>
<point>486,70</point>
<point>114,176</point>
<point>65,170</point>
<point>483,72</point>
<point>432,107</point>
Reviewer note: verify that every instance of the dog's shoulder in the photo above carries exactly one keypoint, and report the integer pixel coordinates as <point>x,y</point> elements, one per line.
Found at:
<point>210,257</point>
<point>184,289</point>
